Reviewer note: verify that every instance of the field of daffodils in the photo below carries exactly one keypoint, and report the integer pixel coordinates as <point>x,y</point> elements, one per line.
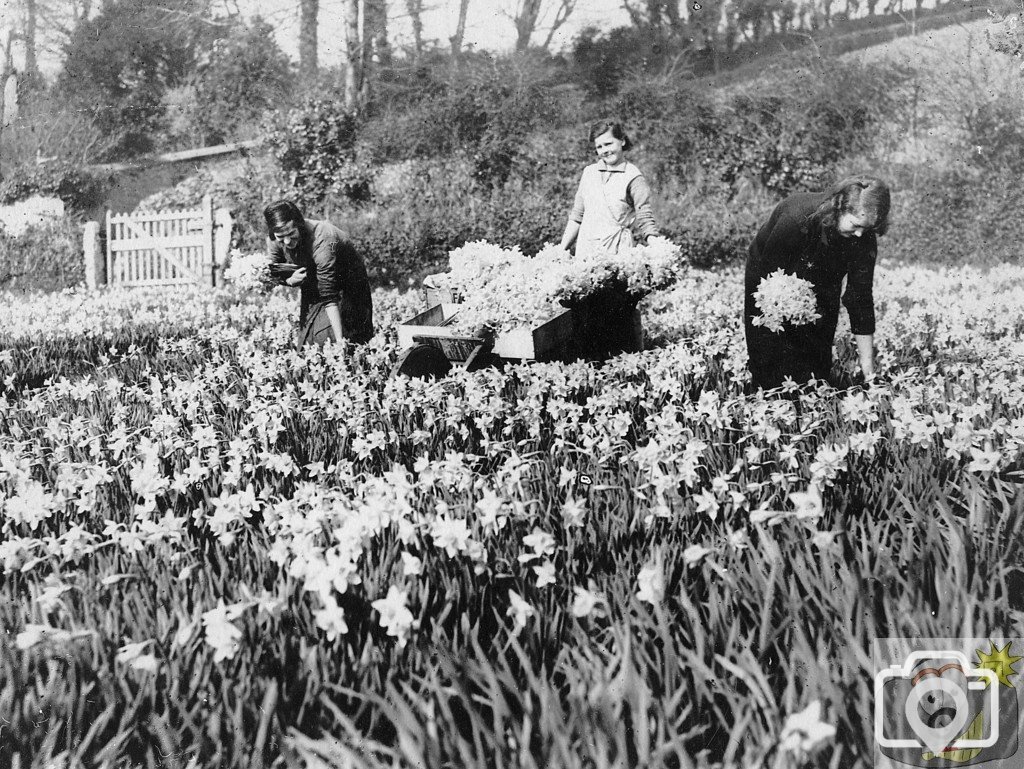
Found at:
<point>218,551</point>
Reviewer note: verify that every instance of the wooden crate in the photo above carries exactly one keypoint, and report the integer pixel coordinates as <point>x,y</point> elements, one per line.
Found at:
<point>434,295</point>
<point>555,339</point>
<point>432,322</point>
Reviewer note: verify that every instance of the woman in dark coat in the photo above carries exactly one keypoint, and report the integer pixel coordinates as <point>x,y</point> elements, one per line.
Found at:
<point>336,301</point>
<point>821,237</point>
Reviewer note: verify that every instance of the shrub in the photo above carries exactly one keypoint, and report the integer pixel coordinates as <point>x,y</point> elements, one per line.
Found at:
<point>671,122</point>
<point>119,63</point>
<point>79,189</point>
<point>244,193</point>
<point>314,146</point>
<point>485,108</point>
<point>439,208</point>
<point>958,217</point>
<point>788,129</point>
<point>602,62</point>
<point>46,258</point>
<point>247,74</point>
<point>995,135</point>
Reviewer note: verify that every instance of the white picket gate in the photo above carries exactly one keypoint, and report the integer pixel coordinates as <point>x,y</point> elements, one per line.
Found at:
<point>164,248</point>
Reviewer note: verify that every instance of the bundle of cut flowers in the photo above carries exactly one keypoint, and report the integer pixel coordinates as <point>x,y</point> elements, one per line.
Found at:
<point>634,272</point>
<point>516,291</point>
<point>784,298</point>
<point>503,288</point>
<point>256,271</point>
<point>473,264</point>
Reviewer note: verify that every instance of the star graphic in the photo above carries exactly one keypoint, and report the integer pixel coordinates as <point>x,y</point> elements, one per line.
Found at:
<point>999,661</point>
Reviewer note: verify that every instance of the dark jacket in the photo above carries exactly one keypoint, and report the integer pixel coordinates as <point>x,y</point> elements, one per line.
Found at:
<point>789,241</point>
<point>335,273</point>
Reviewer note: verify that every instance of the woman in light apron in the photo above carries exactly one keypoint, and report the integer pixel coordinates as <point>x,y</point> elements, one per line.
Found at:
<point>613,199</point>
<point>612,203</point>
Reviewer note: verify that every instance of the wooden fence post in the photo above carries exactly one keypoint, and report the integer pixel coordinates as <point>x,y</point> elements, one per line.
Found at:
<point>110,253</point>
<point>209,246</point>
<point>222,224</point>
<point>95,260</point>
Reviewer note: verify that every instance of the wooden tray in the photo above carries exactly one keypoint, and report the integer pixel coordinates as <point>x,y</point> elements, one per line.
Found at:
<point>554,339</point>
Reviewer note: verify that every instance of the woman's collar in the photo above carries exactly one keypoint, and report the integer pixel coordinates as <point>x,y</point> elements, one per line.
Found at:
<point>614,169</point>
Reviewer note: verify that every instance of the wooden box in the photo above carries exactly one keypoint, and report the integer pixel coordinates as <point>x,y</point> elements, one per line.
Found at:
<point>434,295</point>
<point>554,339</point>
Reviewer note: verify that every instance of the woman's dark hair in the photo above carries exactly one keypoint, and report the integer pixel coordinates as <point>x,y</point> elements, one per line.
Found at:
<point>604,126</point>
<point>280,213</point>
<point>860,195</point>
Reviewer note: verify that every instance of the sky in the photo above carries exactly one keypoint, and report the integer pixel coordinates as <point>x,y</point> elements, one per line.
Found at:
<point>488,24</point>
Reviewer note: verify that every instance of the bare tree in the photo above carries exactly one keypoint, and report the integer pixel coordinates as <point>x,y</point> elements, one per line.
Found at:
<point>460,29</point>
<point>527,20</point>
<point>655,13</point>
<point>562,14</point>
<point>308,21</point>
<point>635,12</point>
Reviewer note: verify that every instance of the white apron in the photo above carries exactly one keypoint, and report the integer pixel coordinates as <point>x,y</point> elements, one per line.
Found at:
<point>607,214</point>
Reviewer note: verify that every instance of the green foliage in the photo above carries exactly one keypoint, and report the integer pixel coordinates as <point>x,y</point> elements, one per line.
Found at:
<point>995,134</point>
<point>314,145</point>
<point>245,75</point>
<point>1007,36</point>
<point>959,217</point>
<point>604,61</point>
<point>120,62</point>
<point>245,193</point>
<point>784,132</point>
<point>436,206</point>
<point>788,130</point>
<point>44,258</point>
<point>79,189</point>
<point>485,107</point>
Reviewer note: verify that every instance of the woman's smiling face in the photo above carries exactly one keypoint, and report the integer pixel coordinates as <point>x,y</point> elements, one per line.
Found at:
<point>609,149</point>
<point>288,235</point>
<point>853,225</point>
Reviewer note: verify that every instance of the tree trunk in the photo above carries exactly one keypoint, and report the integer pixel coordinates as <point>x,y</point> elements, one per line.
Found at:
<point>460,29</point>
<point>415,10</point>
<point>308,13</point>
<point>29,39</point>
<point>526,22</point>
<point>375,49</point>
<point>353,61</point>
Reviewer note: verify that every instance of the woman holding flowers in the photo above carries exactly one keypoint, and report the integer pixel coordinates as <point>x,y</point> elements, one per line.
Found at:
<point>820,238</point>
<point>612,199</point>
<point>335,290</point>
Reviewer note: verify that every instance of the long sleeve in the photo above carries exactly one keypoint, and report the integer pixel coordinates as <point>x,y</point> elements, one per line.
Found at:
<point>275,251</point>
<point>859,296</point>
<point>639,194</point>
<point>578,205</point>
<point>325,257</point>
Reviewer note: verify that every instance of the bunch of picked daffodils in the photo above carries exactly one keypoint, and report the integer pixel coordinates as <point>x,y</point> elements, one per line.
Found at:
<point>634,272</point>
<point>783,298</point>
<point>256,271</point>
<point>503,288</point>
